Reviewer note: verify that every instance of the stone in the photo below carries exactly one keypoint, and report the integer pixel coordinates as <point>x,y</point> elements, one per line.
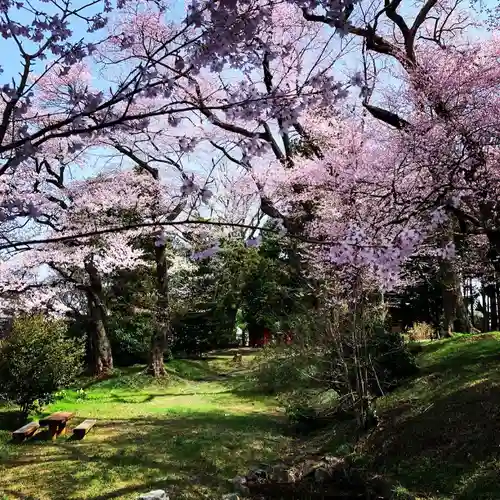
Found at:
<point>280,473</point>
<point>240,485</point>
<point>257,474</point>
<point>155,495</point>
<point>321,475</point>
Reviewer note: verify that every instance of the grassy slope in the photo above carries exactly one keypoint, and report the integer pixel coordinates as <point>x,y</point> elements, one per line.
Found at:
<point>189,436</point>
<point>439,435</point>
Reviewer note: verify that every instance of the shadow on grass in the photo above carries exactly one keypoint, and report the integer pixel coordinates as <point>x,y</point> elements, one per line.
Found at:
<point>244,351</point>
<point>16,494</point>
<point>132,376</point>
<point>186,454</point>
<point>446,447</point>
<point>147,398</point>
<point>193,370</point>
<point>189,370</point>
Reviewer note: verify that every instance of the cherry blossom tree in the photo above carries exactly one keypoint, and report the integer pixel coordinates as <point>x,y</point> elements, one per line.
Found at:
<point>288,70</point>
<point>76,79</point>
<point>423,41</point>
<point>284,97</point>
<point>84,263</point>
<point>453,137</point>
<point>158,152</point>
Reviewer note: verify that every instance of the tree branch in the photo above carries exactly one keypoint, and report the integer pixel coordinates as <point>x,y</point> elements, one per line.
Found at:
<point>386,116</point>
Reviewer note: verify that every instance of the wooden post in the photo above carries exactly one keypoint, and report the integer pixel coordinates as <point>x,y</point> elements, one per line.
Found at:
<point>53,428</point>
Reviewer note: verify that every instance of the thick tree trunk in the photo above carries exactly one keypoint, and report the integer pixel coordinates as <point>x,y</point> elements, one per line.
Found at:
<point>231,324</point>
<point>102,357</point>
<point>162,336</point>
<point>492,292</point>
<point>156,366</point>
<point>485,311</point>
<point>456,317</point>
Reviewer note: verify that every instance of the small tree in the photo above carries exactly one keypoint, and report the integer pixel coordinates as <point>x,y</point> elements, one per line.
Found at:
<point>36,360</point>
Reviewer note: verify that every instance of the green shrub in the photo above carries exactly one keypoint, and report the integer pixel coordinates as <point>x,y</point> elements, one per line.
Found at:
<point>311,382</point>
<point>393,361</point>
<point>130,338</point>
<point>284,369</point>
<point>311,409</point>
<point>36,360</point>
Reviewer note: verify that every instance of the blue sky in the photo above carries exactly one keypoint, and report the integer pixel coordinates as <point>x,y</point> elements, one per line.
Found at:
<point>11,64</point>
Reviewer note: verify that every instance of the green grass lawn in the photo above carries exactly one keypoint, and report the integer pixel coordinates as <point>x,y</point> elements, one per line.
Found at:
<point>190,436</point>
<point>439,435</point>
<point>438,438</point>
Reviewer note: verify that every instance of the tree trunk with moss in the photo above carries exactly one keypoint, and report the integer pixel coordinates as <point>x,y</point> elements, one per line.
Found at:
<point>455,314</point>
<point>101,354</point>
<point>162,336</point>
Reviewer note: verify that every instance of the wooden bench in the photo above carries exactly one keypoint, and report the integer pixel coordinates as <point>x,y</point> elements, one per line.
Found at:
<point>57,423</point>
<point>82,429</point>
<point>25,431</point>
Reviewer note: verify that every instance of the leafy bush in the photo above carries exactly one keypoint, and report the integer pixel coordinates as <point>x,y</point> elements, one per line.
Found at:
<point>311,409</point>
<point>421,331</point>
<point>284,369</point>
<point>312,384</point>
<point>36,360</point>
<point>393,361</point>
<point>130,338</point>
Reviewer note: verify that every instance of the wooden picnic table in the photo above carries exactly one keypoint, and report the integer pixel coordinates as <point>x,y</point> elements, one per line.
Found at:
<point>56,423</point>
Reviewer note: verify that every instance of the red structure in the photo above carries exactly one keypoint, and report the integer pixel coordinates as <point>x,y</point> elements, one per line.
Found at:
<point>260,339</point>
<point>266,337</point>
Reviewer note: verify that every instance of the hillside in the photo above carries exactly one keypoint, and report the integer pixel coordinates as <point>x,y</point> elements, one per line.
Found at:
<point>437,438</point>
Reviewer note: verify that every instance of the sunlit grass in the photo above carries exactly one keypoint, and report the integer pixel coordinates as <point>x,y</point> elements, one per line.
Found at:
<point>438,436</point>
<point>439,432</point>
<point>187,436</point>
